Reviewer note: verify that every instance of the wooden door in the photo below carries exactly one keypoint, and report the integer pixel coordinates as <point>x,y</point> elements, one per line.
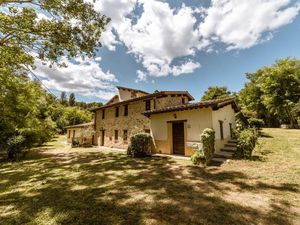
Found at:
<point>178,138</point>
<point>102,137</point>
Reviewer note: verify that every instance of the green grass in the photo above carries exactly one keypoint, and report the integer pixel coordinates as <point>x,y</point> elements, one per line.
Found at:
<point>59,185</point>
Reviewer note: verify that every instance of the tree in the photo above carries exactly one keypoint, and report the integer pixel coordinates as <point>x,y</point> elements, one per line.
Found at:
<point>72,99</point>
<point>273,93</point>
<point>74,115</point>
<point>25,119</point>
<point>281,86</point>
<point>63,98</point>
<point>215,92</point>
<point>49,29</point>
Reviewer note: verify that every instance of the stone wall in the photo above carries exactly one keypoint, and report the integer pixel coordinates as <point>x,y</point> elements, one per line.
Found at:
<point>133,123</point>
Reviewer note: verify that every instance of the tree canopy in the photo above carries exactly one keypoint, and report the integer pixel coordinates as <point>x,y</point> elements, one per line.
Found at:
<point>215,92</point>
<point>49,29</point>
<point>273,92</point>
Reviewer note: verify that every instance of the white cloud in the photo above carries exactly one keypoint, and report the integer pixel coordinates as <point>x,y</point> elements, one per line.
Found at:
<point>83,77</point>
<point>242,24</point>
<point>141,76</point>
<point>188,67</point>
<point>160,35</point>
<point>156,34</point>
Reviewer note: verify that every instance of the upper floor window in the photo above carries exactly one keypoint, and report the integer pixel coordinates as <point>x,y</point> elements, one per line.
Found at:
<point>147,131</point>
<point>183,100</point>
<point>148,105</point>
<point>117,112</point>
<point>103,113</point>
<point>125,110</point>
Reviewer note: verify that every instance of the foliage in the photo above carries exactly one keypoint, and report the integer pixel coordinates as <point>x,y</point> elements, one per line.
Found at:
<point>63,98</point>
<point>241,120</point>
<point>74,115</point>
<point>208,143</point>
<point>140,145</point>
<point>216,92</point>
<point>75,143</point>
<point>15,145</point>
<point>25,111</point>
<point>72,99</point>
<point>246,141</point>
<point>256,123</point>
<point>50,28</point>
<point>273,93</point>
<point>198,158</point>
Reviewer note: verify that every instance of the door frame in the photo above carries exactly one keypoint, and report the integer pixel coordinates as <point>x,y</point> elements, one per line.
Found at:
<point>184,135</point>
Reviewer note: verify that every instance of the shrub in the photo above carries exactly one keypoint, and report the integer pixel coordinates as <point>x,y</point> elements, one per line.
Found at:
<point>15,145</point>
<point>140,145</point>
<point>198,158</point>
<point>246,141</point>
<point>256,123</point>
<point>75,143</point>
<point>208,142</point>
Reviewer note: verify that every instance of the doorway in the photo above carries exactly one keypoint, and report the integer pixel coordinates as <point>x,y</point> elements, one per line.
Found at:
<point>178,138</point>
<point>102,137</point>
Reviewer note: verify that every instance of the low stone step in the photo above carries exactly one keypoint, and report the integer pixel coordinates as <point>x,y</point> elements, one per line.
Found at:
<point>218,160</point>
<point>230,145</point>
<point>228,149</point>
<point>232,141</point>
<point>223,154</point>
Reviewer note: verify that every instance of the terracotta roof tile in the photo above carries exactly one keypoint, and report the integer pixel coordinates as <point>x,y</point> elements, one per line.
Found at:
<point>214,104</point>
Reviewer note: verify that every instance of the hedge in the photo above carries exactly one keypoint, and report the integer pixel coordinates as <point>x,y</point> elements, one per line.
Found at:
<point>246,141</point>
<point>140,145</point>
<point>208,143</point>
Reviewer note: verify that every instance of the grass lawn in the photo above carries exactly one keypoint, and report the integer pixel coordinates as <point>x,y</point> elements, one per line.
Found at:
<point>59,185</point>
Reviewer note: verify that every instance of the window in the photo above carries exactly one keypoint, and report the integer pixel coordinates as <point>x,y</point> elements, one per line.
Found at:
<point>221,129</point>
<point>69,135</point>
<point>73,133</point>
<point>125,110</point>
<point>154,103</point>
<point>103,113</point>
<point>230,129</point>
<point>147,131</point>
<point>117,112</point>
<point>183,100</point>
<point>116,135</point>
<point>125,135</point>
<point>148,105</point>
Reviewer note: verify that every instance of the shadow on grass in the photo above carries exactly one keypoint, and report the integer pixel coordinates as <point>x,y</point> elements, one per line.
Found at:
<point>109,188</point>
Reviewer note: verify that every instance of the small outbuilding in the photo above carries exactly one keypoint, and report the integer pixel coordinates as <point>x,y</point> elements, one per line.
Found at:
<point>83,133</point>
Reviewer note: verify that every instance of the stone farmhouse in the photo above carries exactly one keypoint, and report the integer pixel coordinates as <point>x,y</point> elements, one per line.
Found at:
<point>172,119</point>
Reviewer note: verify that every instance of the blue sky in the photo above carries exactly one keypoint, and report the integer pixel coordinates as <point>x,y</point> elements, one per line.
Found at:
<point>166,45</point>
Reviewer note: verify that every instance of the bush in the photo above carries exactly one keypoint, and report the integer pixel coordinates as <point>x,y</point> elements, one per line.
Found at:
<point>256,123</point>
<point>140,145</point>
<point>246,141</point>
<point>75,143</point>
<point>198,158</point>
<point>208,142</point>
<point>15,145</point>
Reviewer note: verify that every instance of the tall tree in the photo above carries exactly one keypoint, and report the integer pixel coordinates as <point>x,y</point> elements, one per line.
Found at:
<point>216,92</point>
<point>72,99</point>
<point>63,98</point>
